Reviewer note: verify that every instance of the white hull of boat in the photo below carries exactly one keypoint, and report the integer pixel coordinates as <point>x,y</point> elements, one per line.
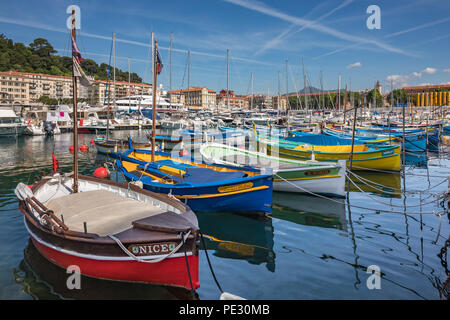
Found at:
<point>325,186</point>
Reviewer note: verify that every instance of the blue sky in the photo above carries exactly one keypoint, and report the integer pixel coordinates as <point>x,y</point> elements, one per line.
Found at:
<point>411,48</point>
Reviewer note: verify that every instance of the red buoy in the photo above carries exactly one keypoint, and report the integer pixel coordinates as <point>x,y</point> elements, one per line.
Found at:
<point>84,148</point>
<point>92,141</point>
<point>71,148</point>
<point>184,153</point>
<point>101,172</point>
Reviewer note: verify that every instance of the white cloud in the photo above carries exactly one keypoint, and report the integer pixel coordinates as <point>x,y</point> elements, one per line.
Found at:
<point>429,70</point>
<point>417,74</point>
<point>446,70</point>
<point>397,80</point>
<point>354,65</point>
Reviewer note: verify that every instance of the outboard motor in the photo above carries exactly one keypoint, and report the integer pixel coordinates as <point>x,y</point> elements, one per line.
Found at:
<point>48,128</point>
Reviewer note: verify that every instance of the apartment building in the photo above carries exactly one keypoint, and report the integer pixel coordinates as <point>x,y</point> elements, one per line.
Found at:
<point>98,95</point>
<point>194,97</point>
<point>232,100</point>
<point>27,88</point>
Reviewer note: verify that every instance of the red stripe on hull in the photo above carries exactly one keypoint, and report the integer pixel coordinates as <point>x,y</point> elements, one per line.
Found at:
<point>171,271</point>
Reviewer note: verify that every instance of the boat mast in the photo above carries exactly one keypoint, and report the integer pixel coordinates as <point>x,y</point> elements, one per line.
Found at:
<point>251,102</point>
<point>114,80</point>
<point>339,94</point>
<point>154,100</point>
<point>189,75</point>
<point>170,63</point>
<point>75,116</point>
<point>287,86</point>
<point>279,92</point>
<point>304,85</point>
<point>129,88</point>
<point>228,98</point>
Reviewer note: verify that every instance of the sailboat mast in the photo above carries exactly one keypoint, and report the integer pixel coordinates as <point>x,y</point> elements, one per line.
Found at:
<point>287,85</point>
<point>251,102</point>
<point>114,80</point>
<point>279,92</point>
<point>304,85</point>
<point>228,98</point>
<point>189,76</point>
<point>154,100</point>
<point>170,62</point>
<point>339,94</point>
<point>75,115</point>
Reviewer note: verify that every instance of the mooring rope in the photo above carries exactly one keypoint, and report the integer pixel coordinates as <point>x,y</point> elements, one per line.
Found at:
<point>352,205</point>
<point>381,185</point>
<point>120,244</point>
<point>387,204</point>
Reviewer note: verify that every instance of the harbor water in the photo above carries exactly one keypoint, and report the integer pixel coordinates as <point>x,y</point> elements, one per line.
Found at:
<point>309,248</point>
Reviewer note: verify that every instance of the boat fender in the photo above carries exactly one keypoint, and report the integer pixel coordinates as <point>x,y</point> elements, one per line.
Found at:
<point>101,172</point>
<point>92,141</point>
<point>71,148</point>
<point>138,183</point>
<point>230,296</point>
<point>84,148</point>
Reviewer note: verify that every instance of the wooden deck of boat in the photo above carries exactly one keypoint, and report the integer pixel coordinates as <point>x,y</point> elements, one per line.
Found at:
<point>105,212</point>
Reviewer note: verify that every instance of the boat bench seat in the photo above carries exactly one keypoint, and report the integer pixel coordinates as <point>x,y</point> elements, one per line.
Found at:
<point>105,212</point>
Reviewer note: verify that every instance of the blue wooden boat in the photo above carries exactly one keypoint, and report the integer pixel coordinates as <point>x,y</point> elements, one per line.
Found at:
<point>415,139</point>
<point>202,186</point>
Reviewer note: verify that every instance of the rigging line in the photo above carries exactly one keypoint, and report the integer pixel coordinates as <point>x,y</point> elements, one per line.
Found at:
<point>348,203</point>
<point>387,204</point>
<point>381,185</point>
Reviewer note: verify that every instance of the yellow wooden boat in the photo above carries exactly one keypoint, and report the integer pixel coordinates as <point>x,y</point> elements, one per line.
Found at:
<point>384,158</point>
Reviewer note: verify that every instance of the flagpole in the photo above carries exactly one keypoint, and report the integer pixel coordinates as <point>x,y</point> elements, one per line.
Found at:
<point>75,116</point>
<point>154,100</point>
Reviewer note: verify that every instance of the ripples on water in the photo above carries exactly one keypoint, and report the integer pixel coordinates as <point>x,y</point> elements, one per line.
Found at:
<point>310,248</point>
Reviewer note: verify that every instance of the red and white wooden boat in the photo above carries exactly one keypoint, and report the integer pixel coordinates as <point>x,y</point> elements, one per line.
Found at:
<point>112,230</point>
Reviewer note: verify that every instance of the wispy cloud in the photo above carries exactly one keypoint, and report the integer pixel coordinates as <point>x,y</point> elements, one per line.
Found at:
<point>36,25</point>
<point>288,32</point>
<point>354,65</point>
<point>446,70</point>
<point>264,9</point>
<point>395,34</point>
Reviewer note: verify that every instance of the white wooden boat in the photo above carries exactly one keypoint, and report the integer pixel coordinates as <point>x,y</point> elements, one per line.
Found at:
<point>289,175</point>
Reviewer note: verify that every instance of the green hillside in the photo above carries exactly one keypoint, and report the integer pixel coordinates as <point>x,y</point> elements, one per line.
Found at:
<point>40,57</point>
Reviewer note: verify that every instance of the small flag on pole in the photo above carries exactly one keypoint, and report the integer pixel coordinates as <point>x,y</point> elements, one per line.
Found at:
<point>75,51</point>
<point>159,64</point>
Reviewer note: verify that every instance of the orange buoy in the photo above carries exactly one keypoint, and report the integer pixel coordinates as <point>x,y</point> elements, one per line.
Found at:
<point>101,172</point>
<point>84,148</point>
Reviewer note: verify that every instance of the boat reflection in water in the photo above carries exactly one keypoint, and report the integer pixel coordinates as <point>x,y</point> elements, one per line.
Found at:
<point>383,184</point>
<point>45,281</point>
<point>234,236</point>
<point>309,210</point>
<point>416,159</point>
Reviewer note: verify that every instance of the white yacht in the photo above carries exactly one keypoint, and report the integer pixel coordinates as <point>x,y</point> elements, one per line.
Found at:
<point>10,123</point>
<point>142,102</point>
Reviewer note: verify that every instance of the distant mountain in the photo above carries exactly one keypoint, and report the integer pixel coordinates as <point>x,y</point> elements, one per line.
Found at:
<point>310,90</point>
